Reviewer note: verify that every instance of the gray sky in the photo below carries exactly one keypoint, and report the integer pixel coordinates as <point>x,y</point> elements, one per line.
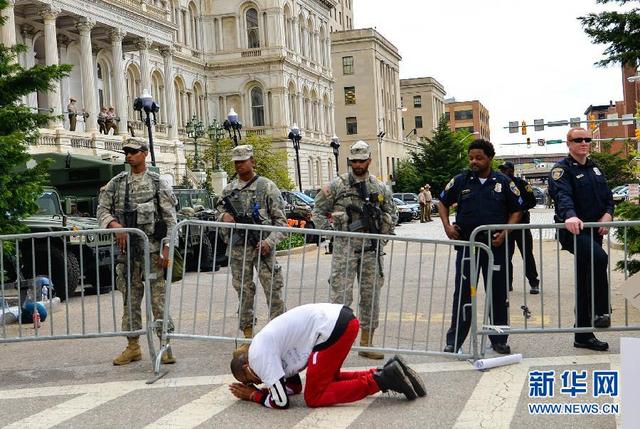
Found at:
<point>523,60</point>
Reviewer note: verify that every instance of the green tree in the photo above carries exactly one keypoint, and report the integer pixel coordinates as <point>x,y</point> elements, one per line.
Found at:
<point>618,30</point>
<point>270,163</point>
<point>19,129</point>
<point>616,167</point>
<point>441,157</point>
<point>407,177</point>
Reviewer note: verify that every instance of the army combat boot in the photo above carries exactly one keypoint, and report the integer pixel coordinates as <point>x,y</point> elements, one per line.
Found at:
<point>365,341</point>
<point>131,354</point>
<point>392,377</point>
<point>244,347</point>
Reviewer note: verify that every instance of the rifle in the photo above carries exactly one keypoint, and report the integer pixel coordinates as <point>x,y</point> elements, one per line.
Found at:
<point>253,237</point>
<point>370,214</point>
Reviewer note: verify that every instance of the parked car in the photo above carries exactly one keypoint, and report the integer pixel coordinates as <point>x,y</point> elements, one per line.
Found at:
<point>620,194</point>
<point>539,193</point>
<point>298,198</point>
<point>411,198</point>
<point>405,213</point>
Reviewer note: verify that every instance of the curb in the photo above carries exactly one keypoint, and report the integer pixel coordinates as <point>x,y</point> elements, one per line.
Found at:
<point>297,250</point>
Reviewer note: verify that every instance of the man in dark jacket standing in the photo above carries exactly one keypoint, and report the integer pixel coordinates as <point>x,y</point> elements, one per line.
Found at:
<point>523,239</point>
<point>581,194</point>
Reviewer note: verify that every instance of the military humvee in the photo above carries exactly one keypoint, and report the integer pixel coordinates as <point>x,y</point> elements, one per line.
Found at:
<point>199,204</point>
<point>46,256</point>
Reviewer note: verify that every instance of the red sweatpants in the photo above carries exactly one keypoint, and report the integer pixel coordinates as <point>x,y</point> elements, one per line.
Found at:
<point>326,384</point>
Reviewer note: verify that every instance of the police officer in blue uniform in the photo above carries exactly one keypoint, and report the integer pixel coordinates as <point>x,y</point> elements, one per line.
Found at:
<point>523,239</point>
<point>581,194</point>
<point>483,197</point>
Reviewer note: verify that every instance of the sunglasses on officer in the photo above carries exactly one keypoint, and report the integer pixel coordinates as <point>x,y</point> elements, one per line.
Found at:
<point>581,139</point>
<point>129,150</point>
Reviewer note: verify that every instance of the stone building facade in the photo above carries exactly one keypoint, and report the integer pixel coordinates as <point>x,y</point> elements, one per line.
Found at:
<point>423,99</point>
<point>268,59</point>
<point>367,101</point>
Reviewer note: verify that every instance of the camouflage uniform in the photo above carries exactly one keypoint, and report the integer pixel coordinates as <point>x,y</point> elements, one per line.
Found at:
<point>263,198</point>
<point>142,196</point>
<point>349,259</point>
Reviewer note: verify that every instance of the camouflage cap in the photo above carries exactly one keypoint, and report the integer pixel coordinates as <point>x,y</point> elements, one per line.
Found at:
<point>241,153</point>
<point>136,144</point>
<point>359,150</point>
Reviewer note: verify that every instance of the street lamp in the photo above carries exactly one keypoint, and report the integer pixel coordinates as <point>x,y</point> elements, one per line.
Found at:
<point>380,136</point>
<point>216,132</point>
<point>475,133</point>
<point>195,130</point>
<point>335,145</point>
<point>295,137</point>
<point>232,123</point>
<point>145,102</point>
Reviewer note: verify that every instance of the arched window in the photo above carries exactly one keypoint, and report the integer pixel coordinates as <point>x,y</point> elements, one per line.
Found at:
<point>195,26</point>
<point>257,107</point>
<point>253,35</point>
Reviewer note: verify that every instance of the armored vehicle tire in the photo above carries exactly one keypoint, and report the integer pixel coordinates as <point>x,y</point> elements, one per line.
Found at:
<point>206,260</point>
<point>57,269</point>
<point>220,249</point>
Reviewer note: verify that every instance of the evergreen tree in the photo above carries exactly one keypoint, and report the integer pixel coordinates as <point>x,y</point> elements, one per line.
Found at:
<point>441,157</point>
<point>619,30</point>
<point>407,177</point>
<point>19,129</point>
<point>615,166</point>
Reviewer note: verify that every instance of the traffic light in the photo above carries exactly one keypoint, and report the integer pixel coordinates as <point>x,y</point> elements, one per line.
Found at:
<point>524,128</point>
<point>528,139</point>
<point>638,134</point>
<point>592,123</point>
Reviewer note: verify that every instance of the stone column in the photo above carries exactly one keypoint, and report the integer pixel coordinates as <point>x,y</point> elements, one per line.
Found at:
<point>301,112</point>
<point>297,47</point>
<point>8,30</point>
<point>87,68</point>
<point>28,32</point>
<point>188,39</point>
<point>117,35</point>
<point>51,59</point>
<point>63,44</point>
<point>170,93</point>
<point>145,76</point>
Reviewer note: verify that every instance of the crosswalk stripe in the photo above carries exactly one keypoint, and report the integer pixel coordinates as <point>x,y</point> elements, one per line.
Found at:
<point>62,412</point>
<point>495,398</point>
<point>336,417</point>
<point>198,411</point>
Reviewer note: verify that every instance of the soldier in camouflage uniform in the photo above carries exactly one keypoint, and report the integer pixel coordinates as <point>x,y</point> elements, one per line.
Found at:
<point>258,200</point>
<point>150,200</point>
<point>345,199</point>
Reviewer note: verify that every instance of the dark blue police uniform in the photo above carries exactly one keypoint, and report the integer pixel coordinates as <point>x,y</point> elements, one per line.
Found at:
<point>479,204</point>
<point>523,239</point>
<point>582,191</point>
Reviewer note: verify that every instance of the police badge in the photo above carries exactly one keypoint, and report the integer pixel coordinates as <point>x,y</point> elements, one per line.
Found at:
<point>557,173</point>
<point>498,187</point>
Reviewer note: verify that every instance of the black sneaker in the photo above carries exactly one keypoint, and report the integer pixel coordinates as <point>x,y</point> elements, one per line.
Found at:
<point>416,381</point>
<point>592,344</point>
<point>392,377</point>
<point>535,290</point>
<point>448,349</point>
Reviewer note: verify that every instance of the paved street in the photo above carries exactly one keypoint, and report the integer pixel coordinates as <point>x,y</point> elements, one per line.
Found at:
<point>72,383</point>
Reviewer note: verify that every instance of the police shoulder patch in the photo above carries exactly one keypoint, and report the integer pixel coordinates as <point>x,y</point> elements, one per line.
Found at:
<point>514,188</point>
<point>557,173</point>
<point>529,188</point>
<point>450,184</point>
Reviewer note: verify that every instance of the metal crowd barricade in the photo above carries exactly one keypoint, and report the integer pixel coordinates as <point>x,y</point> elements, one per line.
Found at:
<point>552,310</point>
<point>71,261</point>
<point>415,297</point>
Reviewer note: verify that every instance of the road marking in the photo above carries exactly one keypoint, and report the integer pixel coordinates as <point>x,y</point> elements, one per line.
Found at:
<point>336,417</point>
<point>495,399</point>
<point>62,412</point>
<point>198,411</point>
